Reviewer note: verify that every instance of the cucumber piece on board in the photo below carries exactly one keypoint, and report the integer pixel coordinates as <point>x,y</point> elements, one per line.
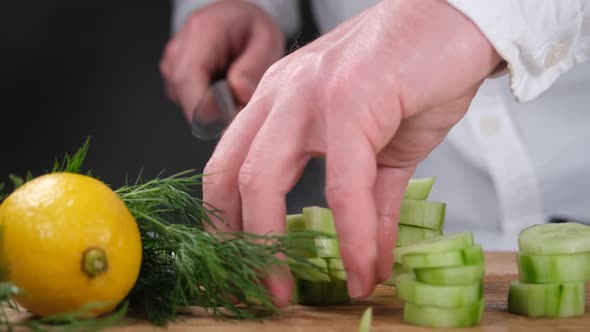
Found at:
<point>313,274</point>
<point>551,239</point>
<point>437,317</point>
<point>407,235</point>
<point>408,289</point>
<point>319,219</point>
<point>366,318</point>
<point>296,223</point>
<point>396,270</point>
<point>336,268</point>
<point>542,269</point>
<point>547,300</point>
<point>448,276</point>
<point>451,241</point>
<point>324,247</point>
<point>427,214</point>
<point>419,188</point>
<point>467,256</point>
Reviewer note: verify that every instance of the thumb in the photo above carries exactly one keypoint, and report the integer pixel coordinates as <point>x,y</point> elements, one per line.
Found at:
<point>263,47</point>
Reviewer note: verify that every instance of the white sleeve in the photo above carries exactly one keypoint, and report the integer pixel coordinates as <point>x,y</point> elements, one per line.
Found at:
<point>284,12</point>
<point>539,39</point>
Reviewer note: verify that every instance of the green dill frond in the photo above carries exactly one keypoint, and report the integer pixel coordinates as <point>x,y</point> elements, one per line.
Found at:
<point>2,194</point>
<point>74,163</point>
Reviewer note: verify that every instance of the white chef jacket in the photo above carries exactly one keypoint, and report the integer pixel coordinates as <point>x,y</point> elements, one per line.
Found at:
<point>522,152</point>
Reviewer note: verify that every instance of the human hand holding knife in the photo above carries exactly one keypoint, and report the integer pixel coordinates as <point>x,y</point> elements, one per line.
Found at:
<point>215,111</point>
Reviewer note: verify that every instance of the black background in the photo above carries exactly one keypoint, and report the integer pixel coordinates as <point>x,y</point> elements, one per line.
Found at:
<point>76,68</point>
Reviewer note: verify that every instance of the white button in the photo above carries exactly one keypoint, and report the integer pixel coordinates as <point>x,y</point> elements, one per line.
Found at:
<point>490,125</point>
<point>556,53</point>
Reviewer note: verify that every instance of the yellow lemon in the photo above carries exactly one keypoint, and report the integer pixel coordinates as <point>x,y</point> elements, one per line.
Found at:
<point>67,241</point>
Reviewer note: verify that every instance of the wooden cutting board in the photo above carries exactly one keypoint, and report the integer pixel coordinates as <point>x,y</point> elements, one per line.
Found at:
<point>387,312</point>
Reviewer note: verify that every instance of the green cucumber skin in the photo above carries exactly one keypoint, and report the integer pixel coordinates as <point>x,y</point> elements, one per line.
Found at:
<point>435,317</point>
<point>552,239</point>
<point>452,241</point>
<point>451,276</point>
<point>425,214</point>
<point>407,235</point>
<point>547,300</point>
<point>410,290</point>
<point>419,188</point>
<point>320,293</point>
<point>542,269</point>
<point>466,256</point>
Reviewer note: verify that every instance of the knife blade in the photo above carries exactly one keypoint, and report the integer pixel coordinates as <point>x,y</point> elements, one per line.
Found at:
<point>214,112</point>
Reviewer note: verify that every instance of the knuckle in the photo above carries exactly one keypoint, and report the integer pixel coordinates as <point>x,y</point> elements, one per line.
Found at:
<point>249,181</point>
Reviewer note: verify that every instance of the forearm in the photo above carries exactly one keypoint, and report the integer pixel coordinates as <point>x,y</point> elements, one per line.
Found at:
<point>284,12</point>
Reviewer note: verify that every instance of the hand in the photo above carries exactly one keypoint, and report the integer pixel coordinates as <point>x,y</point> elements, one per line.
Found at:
<point>375,97</point>
<point>236,36</point>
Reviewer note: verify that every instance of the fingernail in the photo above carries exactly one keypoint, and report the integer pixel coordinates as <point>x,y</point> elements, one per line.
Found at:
<point>355,285</point>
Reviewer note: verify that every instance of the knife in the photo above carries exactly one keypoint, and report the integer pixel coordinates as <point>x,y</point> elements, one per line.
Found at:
<point>214,112</point>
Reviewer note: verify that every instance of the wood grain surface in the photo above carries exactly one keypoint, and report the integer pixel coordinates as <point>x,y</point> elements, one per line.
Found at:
<point>387,312</point>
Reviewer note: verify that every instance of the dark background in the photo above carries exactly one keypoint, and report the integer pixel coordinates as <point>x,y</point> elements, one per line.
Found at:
<point>76,68</point>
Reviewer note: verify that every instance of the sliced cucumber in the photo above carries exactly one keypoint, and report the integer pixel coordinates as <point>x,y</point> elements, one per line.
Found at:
<point>296,223</point>
<point>436,317</point>
<point>407,235</point>
<point>395,271</point>
<point>319,219</point>
<point>441,243</point>
<point>324,286</point>
<point>311,273</point>
<point>419,188</point>
<point>541,269</point>
<point>416,292</point>
<point>449,276</point>
<point>547,300</point>
<point>336,268</point>
<point>427,214</point>
<point>366,318</point>
<point>551,239</point>
<point>467,256</point>
<point>326,247</point>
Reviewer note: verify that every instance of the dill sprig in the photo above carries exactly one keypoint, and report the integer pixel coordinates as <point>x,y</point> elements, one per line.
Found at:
<point>185,266</point>
<point>182,264</point>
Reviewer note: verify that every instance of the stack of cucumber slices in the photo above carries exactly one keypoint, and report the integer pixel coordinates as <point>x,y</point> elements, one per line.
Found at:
<point>419,218</point>
<point>440,281</point>
<point>314,286</point>
<point>553,268</point>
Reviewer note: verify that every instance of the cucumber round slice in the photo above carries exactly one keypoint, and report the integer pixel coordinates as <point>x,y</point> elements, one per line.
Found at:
<point>547,300</point>
<point>542,269</point>
<point>416,292</point>
<point>407,235</point>
<point>450,276</point>
<point>427,214</point>
<point>395,271</point>
<point>436,317</point>
<point>467,256</point>
<point>296,223</point>
<point>321,273</point>
<point>551,239</point>
<point>336,268</point>
<point>452,241</point>
<point>419,188</point>
<point>319,219</point>
<point>326,247</point>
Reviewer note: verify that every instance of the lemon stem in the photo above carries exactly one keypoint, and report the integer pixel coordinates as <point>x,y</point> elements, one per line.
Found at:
<point>94,262</point>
